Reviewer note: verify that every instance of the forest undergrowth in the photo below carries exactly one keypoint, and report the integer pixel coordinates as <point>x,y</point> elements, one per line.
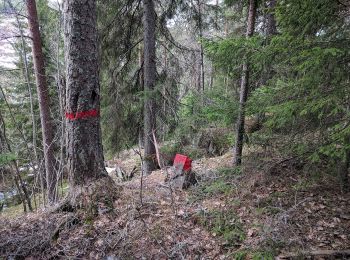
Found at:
<point>265,209</point>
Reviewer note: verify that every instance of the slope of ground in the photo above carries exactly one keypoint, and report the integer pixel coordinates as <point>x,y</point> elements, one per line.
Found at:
<point>264,210</point>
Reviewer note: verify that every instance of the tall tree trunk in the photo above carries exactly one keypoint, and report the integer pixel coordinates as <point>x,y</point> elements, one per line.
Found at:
<point>202,80</point>
<point>199,72</point>
<point>244,88</point>
<point>164,94</point>
<point>31,99</point>
<point>26,73</point>
<point>212,73</point>
<point>267,74</point>
<point>23,53</point>
<point>200,27</point>
<point>271,28</point>
<point>141,80</point>
<point>89,181</point>
<point>61,92</point>
<point>44,101</point>
<point>149,23</point>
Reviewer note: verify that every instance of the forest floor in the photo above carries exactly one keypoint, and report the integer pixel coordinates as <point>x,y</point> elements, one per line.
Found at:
<point>270,208</point>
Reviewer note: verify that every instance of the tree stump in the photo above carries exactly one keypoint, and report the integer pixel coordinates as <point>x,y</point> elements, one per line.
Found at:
<point>179,178</point>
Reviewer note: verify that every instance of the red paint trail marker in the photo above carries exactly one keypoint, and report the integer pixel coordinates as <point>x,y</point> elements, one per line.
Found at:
<point>82,114</point>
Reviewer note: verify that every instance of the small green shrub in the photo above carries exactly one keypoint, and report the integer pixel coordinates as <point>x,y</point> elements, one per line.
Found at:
<point>219,108</point>
<point>168,152</point>
<point>224,224</point>
<point>257,255</point>
<point>218,187</point>
<point>210,189</point>
<point>264,255</point>
<point>229,172</point>
<point>216,141</point>
<point>240,255</point>
<point>5,158</point>
<point>193,152</point>
<point>223,142</point>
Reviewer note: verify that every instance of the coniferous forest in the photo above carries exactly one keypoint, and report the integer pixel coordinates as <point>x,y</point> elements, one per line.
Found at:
<point>174,129</point>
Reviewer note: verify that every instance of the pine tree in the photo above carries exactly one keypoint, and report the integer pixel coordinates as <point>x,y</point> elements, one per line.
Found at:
<point>149,39</point>
<point>44,101</point>
<point>87,175</point>
<point>244,88</point>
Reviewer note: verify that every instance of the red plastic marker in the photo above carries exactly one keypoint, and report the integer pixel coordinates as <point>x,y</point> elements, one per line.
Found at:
<point>183,161</point>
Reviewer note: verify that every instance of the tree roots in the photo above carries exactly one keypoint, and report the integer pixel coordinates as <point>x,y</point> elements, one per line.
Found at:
<point>96,197</point>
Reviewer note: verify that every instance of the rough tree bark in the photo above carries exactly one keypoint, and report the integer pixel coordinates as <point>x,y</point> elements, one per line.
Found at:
<point>141,80</point>
<point>44,101</point>
<point>149,23</point>
<point>200,27</point>
<point>270,31</point>
<point>244,88</point>
<point>271,28</point>
<point>90,185</point>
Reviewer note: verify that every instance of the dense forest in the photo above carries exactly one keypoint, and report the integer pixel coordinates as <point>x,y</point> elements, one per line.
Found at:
<point>175,129</point>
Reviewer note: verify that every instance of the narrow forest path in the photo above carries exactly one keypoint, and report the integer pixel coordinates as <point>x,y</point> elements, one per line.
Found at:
<point>169,216</point>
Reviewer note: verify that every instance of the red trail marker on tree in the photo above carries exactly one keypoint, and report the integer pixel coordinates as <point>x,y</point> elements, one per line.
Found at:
<point>83,114</point>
